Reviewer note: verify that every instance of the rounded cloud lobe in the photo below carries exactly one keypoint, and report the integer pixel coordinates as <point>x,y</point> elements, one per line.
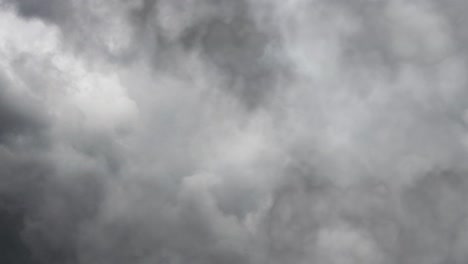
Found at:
<point>248,131</point>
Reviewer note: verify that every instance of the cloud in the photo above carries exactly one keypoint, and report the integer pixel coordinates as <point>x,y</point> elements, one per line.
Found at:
<point>245,131</point>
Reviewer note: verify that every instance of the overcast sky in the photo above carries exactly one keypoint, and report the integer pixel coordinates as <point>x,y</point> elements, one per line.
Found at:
<point>233,132</point>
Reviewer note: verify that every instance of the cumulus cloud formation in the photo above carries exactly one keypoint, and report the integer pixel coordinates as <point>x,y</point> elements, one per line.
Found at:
<point>245,131</point>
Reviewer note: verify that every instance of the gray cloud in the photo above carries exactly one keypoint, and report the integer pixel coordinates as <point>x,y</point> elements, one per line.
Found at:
<point>204,131</point>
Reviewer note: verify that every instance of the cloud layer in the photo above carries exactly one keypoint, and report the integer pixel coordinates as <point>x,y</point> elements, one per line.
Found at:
<point>247,131</point>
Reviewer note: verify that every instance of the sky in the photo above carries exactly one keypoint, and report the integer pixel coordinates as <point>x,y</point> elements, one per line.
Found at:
<point>233,131</point>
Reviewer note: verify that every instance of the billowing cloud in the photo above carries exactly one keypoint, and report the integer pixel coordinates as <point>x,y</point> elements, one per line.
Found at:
<point>250,131</point>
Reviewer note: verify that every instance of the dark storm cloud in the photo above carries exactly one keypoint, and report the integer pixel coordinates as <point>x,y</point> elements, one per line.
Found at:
<point>436,220</point>
<point>22,172</point>
<point>238,47</point>
<point>50,10</point>
<point>203,131</point>
<point>18,115</point>
<point>225,33</point>
<point>33,200</point>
